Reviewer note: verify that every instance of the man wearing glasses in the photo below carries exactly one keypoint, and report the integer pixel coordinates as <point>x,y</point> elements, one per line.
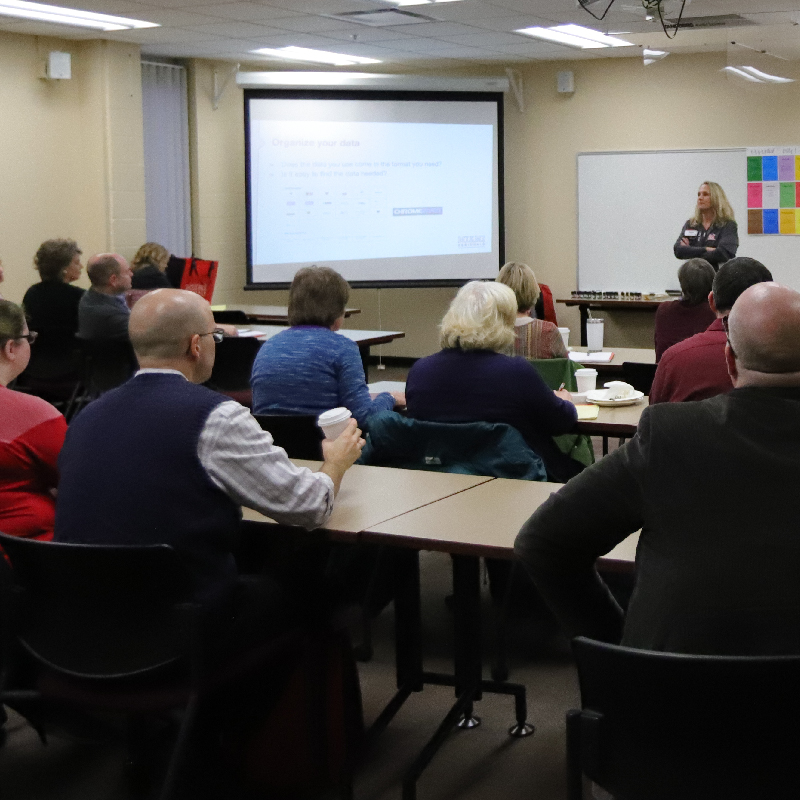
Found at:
<point>713,487</point>
<point>162,459</point>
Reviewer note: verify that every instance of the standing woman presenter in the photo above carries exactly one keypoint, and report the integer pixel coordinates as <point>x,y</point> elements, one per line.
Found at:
<point>711,233</point>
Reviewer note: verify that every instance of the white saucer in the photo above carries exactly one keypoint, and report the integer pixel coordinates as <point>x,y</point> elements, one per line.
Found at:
<point>598,397</point>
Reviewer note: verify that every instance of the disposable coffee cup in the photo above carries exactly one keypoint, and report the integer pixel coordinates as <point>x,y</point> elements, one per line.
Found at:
<point>587,379</point>
<point>594,334</point>
<point>564,335</point>
<point>334,422</point>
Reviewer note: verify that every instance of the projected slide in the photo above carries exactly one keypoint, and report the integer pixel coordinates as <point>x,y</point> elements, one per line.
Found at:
<point>383,189</point>
<point>341,190</point>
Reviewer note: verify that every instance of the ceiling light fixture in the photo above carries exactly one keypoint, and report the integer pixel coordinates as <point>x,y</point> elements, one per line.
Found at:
<point>651,56</point>
<point>315,56</point>
<point>70,16</point>
<point>575,36</point>
<point>756,75</point>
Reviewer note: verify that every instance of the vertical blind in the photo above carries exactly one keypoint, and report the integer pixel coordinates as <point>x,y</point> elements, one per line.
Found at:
<point>166,157</point>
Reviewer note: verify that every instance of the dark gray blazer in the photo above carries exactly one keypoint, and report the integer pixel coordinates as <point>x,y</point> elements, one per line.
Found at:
<point>102,316</point>
<point>715,487</point>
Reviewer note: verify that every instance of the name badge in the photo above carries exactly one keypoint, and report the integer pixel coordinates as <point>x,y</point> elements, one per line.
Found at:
<point>690,233</point>
<point>712,236</point>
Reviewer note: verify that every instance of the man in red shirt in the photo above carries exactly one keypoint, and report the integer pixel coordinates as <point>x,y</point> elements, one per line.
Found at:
<point>695,368</point>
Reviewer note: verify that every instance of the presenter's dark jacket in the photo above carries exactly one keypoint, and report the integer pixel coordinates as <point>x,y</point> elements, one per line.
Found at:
<point>713,487</point>
<point>723,238</point>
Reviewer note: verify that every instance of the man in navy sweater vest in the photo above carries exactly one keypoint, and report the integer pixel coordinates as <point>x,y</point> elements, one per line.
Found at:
<point>163,460</point>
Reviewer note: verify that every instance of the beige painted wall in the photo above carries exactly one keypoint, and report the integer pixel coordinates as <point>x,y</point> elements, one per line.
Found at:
<point>72,164</point>
<point>681,102</point>
<point>71,160</point>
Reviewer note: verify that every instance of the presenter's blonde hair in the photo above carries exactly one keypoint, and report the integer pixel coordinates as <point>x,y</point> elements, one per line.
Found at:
<point>481,317</point>
<point>520,279</point>
<point>719,202</point>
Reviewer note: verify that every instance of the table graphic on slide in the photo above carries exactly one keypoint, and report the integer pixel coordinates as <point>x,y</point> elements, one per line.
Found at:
<point>332,191</point>
<point>773,190</point>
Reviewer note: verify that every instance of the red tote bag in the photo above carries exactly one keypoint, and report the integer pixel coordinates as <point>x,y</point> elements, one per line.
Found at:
<point>199,276</point>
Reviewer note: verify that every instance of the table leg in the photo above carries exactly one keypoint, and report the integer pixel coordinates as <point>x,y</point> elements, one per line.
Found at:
<point>364,351</point>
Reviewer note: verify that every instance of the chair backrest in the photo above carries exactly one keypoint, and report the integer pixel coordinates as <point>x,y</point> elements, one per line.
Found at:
<point>663,725</point>
<point>233,363</point>
<point>297,434</point>
<point>555,371</point>
<point>55,356</point>
<point>548,306</point>
<point>470,448</point>
<point>638,375</point>
<point>107,363</point>
<point>99,611</point>
<point>234,316</point>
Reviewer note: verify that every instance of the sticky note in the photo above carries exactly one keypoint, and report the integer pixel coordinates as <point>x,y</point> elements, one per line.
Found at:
<point>754,168</point>
<point>786,168</point>
<point>769,167</point>
<point>788,195</point>
<point>771,195</point>
<point>788,220</point>
<point>771,224</point>
<point>755,221</point>
<point>754,195</point>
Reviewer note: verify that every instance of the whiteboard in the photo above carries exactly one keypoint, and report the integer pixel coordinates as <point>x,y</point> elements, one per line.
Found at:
<point>631,207</point>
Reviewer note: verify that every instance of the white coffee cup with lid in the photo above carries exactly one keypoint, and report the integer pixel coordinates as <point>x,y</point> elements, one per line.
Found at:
<point>587,379</point>
<point>564,336</point>
<point>334,422</point>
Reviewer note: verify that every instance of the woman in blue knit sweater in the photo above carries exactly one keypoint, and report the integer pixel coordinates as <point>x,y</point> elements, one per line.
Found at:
<point>309,368</point>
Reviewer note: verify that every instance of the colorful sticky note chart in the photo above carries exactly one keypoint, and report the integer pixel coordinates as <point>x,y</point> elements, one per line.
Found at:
<point>773,190</point>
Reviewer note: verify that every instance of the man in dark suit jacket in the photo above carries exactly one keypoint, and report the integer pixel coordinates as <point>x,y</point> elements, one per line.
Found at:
<point>713,485</point>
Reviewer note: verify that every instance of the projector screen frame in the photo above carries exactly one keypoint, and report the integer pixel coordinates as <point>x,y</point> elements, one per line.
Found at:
<point>382,94</point>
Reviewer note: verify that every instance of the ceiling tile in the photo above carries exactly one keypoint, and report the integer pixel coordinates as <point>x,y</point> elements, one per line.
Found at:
<point>236,30</point>
<point>248,12</point>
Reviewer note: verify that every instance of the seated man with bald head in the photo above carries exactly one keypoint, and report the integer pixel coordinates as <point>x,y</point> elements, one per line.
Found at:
<point>102,311</point>
<point>162,459</point>
<point>713,487</point>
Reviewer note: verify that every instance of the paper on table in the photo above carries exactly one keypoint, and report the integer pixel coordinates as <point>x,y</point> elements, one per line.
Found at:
<point>587,412</point>
<point>603,357</point>
<point>249,332</point>
<point>386,386</point>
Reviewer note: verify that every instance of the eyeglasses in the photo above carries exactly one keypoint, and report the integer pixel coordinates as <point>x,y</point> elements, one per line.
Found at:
<point>217,335</point>
<point>30,336</point>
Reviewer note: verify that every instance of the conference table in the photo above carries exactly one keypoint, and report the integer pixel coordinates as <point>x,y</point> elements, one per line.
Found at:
<point>468,517</point>
<point>279,314</point>
<point>586,303</point>
<point>364,339</point>
<point>607,369</point>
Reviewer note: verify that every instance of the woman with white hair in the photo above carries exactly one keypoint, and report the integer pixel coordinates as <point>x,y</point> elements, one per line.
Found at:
<point>474,378</point>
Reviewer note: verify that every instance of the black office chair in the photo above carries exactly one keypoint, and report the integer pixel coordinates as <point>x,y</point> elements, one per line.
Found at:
<point>661,726</point>
<point>297,434</point>
<point>233,364</point>
<point>233,316</point>
<point>639,375</point>
<point>112,630</point>
<point>55,370</point>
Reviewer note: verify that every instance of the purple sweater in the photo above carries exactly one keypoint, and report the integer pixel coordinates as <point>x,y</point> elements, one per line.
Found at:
<point>482,386</point>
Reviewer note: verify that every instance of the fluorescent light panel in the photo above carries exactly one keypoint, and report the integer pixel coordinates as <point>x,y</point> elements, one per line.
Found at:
<point>69,16</point>
<point>756,75</point>
<point>575,36</point>
<point>315,56</point>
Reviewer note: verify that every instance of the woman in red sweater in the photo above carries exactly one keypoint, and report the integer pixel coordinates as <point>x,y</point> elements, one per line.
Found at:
<point>31,434</point>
